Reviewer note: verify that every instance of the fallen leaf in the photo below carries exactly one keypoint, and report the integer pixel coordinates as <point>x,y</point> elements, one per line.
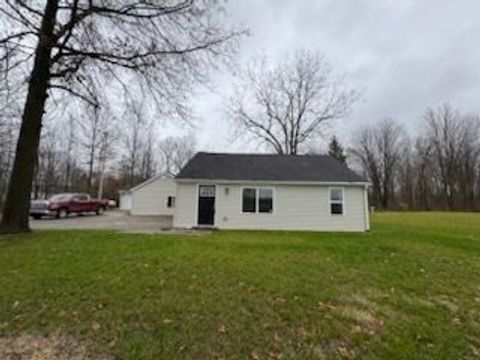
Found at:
<point>345,353</point>
<point>222,329</point>
<point>277,337</point>
<point>302,332</point>
<point>274,356</point>
<point>475,351</point>
<point>96,326</point>
<point>327,306</point>
<point>356,329</point>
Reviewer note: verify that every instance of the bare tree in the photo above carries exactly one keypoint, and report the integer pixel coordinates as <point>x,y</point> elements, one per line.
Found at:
<point>78,46</point>
<point>287,106</point>
<point>136,126</point>
<point>8,131</point>
<point>438,168</point>
<point>148,158</point>
<point>70,153</point>
<point>378,148</point>
<point>423,173</point>
<point>405,179</point>
<point>9,121</point>
<point>470,161</point>
<point>453,138</point>
<point>48,165</point>
<point>444,134</point>
<point>175,153</point>
<point>107,140</point>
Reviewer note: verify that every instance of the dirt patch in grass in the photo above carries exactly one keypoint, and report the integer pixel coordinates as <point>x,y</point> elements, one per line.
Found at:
<point>359,309</point>
<point>417,301</point>
<point>447,303</point>
<point>55,347</point>
<point>366,321</point>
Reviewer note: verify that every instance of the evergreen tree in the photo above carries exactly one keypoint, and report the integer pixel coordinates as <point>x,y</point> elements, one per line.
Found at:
<point>336,151</point>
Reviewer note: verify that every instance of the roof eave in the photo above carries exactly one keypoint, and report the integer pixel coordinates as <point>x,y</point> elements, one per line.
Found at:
<point>148,182</point>
<point>280,182</point>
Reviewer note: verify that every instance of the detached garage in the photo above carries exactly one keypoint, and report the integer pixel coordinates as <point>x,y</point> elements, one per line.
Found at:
<point>153,197</point>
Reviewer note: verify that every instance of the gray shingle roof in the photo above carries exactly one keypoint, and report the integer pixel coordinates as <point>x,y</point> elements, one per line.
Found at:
<point>265,167</point>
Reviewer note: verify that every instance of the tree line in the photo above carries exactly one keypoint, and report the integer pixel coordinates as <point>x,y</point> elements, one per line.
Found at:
<point>96,152</point>
<point>437,167</point>
<point>288,108</point>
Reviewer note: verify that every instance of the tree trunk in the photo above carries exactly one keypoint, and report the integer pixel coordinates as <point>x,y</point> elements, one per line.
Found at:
<point>90,168</point>
<point>15,213</point>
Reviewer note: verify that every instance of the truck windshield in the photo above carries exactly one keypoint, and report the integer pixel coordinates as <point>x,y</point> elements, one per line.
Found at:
<point>60,197</point>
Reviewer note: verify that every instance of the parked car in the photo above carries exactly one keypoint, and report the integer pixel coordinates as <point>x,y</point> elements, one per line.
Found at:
<point>63,204</point>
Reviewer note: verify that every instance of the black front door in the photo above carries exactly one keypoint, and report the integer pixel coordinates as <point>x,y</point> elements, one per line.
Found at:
<point>206,204</point>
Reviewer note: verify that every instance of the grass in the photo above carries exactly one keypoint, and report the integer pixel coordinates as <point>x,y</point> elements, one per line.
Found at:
<point>408,289</point>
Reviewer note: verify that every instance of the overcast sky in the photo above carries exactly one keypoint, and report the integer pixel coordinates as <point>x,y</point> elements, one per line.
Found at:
<point>405,55</point>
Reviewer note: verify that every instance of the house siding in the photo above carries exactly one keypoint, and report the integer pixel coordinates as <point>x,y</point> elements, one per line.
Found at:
<point>151,199</point>
<point>186,207</point>
<point>296,207</point>
<point>125,202</point>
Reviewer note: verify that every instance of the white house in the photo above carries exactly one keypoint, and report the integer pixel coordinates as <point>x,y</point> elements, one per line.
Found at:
<point>271,192</point>
<point>153,197</point>
<point>257,191</point>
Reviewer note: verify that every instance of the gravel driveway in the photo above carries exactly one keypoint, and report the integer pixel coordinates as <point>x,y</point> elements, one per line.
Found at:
<point>111,220</point>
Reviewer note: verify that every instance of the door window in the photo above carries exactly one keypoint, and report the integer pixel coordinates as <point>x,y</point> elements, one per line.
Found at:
<point>207,191</point>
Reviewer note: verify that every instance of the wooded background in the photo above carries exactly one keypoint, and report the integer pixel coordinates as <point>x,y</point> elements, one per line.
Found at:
<point>109,99</point>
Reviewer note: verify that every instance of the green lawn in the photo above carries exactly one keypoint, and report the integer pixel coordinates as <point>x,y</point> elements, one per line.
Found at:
<point>408,289</point>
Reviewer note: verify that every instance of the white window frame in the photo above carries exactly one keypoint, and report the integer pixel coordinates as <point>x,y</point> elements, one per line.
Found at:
<point>330,201</point>
<point>172,203</point>
<point>257,200</point>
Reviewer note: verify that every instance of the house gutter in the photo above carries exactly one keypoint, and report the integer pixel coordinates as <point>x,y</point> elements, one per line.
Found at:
<point>277,182</point>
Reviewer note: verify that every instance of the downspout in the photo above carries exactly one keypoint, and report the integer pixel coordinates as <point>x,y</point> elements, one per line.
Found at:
<point>366,210</point>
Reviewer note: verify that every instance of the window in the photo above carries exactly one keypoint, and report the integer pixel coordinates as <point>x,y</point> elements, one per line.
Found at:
<point>80,197</point>
<point>265,200</point>
<point>171,202</point>
<point>257,200</point>
<point>206,190</point>
<point>249,200</point>
<point>336,201</point>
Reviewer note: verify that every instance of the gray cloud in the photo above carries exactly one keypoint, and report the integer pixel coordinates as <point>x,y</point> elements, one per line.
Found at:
<point>405,54</point>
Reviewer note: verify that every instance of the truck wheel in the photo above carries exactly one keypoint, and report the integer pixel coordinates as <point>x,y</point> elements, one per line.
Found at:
<point>100,210</point>
<point>62,213</point>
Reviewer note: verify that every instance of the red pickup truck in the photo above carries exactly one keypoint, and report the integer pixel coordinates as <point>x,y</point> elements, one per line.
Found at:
<point>63,204</point>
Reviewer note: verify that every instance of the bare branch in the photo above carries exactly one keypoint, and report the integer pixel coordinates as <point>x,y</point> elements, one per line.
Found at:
<point>286,107</point>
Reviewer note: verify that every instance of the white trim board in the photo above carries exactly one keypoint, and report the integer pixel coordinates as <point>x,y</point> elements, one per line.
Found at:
<point>272,182</point>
